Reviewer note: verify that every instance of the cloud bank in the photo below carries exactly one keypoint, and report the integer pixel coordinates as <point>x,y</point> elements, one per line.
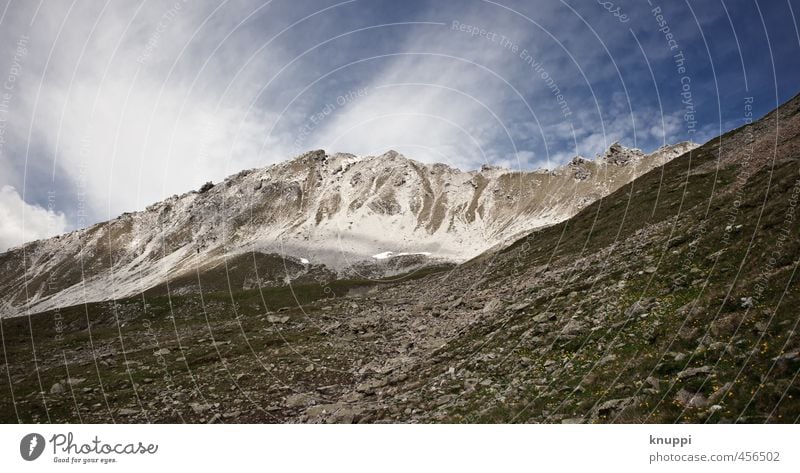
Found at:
<point>23,222</point>
<point>112,106</point>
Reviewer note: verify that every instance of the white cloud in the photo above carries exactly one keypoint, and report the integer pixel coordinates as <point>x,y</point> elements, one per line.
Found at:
<point>449,97</point>
<point>133,108</point>
<point>21,222</point>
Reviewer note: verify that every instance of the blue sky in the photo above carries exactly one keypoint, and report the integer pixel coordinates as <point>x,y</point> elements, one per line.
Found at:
<point>113,106</point>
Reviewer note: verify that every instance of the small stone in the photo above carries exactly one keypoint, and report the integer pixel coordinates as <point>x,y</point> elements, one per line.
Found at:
<point>690,399</point>
<point>445,399</point>
<point>519,307</point>
<point>573,327</point>
<point>720,393</point>
<point>615,405</point>
<point>492,306</point>
<point>162,352</point>
<point>573,420</point>
<point>789,356</point>
<point>544,317</point>
<point>691,372</point>
<point>656,384</point>
<point>57,388</point>
<point>299,400</point>
<point>636,309</point>
<point>457,303</point>
<point>198,408</point>
<point>369,387</point>
<point>606,359</point>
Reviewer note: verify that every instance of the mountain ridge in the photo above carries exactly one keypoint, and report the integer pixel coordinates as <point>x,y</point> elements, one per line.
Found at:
<point>336,215</point>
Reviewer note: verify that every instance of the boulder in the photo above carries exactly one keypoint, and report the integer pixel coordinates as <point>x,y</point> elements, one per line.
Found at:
<point>692,372</point>
<point>690,399</point>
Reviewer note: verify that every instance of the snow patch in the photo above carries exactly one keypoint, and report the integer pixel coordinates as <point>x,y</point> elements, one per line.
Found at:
<point>392,254</point>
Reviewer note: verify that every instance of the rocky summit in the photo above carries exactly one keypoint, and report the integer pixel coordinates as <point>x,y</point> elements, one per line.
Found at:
<point>317,215</point>
<point>628,288</point>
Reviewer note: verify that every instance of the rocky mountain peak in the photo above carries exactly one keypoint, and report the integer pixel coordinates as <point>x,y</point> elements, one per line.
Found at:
<point>339,212</point>
<point>619,155</point>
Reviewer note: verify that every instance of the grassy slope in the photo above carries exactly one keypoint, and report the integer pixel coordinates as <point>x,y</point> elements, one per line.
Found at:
<point>688,260</point>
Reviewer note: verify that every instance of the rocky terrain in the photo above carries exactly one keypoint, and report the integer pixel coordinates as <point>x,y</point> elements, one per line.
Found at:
<point>302,219</point>
<point>672,299</point>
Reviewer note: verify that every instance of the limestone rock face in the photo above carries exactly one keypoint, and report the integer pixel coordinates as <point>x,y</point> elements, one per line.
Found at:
<point>341,214</point>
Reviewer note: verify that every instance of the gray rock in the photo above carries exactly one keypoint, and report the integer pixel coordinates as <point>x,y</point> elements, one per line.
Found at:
<point>369,387</point>
<point>636,309</point>
<point>691,372</point>
<point>789,356</point>
<point>445,399</point>
<point>606,359</point>
<point>720,393</point>
<point>573,327</point>
<point>544,317</point>
<point>573,420</point>
<point>299,400</point>
<point>613,406</point>
<point>492,306</point>
<point>656,384</point>
<point>690,399</point>
<point>519,307</point>
<point>338,413</point>
<point>57,388</point>
<point>199,408</point>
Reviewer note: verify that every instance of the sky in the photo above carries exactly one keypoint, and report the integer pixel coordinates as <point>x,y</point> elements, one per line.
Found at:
<point>107,107</point>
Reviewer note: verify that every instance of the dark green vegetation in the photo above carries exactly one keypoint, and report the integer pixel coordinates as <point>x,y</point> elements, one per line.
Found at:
<point>674,299</point>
